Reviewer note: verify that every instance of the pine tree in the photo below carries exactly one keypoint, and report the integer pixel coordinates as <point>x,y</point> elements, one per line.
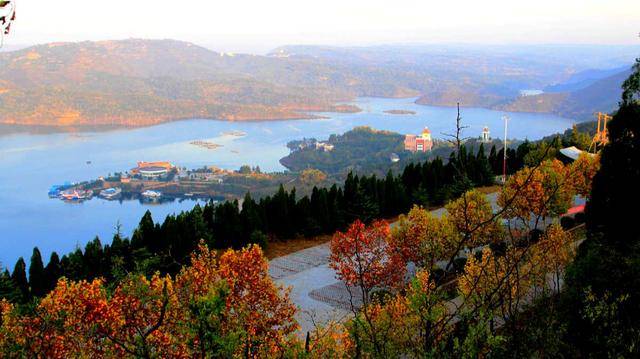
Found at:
<point>37,280</point>
<point>8,289</point>
<point>94,259</point>
<point>483,170</point>
<point>145,234</point>
<point>52,272</point>
<point>19,277</point>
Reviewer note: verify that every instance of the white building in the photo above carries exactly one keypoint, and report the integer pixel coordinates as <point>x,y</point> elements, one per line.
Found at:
<point>486,135</point>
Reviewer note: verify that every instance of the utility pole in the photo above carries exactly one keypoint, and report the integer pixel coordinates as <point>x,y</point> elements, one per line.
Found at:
<point>504,159</point>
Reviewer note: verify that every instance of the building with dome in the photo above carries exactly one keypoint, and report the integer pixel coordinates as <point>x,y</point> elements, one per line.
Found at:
<point>152,170</point>
<point>419,143</point>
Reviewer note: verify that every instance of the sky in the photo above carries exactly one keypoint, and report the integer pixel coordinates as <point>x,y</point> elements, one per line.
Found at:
<point>257,26</point>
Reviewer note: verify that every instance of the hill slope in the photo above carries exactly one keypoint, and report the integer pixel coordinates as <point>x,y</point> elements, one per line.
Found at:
<point>602,95</point>
<point>142,82</point>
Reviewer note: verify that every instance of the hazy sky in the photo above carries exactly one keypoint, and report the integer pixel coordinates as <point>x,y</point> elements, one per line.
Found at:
<point>259,25</point>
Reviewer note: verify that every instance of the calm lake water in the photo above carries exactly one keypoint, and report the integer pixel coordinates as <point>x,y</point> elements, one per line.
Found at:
<point>30,164</point>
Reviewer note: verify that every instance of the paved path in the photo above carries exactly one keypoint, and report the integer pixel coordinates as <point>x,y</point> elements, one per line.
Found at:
<point>319,296</point>
<point>306,272</point>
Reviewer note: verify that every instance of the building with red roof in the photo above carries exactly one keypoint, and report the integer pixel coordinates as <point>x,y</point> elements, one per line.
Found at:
<point>419,143</point>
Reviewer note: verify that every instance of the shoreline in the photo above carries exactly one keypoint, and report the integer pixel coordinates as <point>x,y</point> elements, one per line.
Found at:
<point>7,129</point>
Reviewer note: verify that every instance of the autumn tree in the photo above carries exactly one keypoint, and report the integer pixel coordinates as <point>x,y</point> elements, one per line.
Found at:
<point>535,193</point>
<point>230,309</point>
<point>473,219</point>
<point>584,168</point>
<point>364,260</point>
<point>258,306</point>
<point>422,238</point>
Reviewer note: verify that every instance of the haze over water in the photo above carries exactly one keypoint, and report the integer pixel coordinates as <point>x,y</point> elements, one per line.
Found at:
<point>30,164</point>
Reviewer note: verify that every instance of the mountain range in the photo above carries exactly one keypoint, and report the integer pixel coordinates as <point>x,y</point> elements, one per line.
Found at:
<point>580,100</point>
<point>143,82</point>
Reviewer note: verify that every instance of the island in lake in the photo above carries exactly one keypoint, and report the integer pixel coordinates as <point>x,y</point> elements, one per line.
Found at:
<point>400,112</point>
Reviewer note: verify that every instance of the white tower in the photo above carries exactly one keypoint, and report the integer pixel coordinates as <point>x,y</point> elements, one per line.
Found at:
<point>486,135</point>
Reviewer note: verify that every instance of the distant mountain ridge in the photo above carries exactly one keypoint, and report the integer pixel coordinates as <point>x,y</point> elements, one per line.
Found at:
<point>143,82</point>
<point>601,95</point>
<point>583,79</point>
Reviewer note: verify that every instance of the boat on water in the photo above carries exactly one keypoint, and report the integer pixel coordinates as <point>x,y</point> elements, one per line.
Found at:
<point>76,195</point>
<point>110,193</point>
<point>151,194</point>
<point>56,190</point>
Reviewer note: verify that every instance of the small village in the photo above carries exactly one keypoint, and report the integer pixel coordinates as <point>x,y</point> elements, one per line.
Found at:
<point>151,181</point>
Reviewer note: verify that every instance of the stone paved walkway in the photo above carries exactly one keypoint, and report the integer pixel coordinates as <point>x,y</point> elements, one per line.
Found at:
<point>305,272</point>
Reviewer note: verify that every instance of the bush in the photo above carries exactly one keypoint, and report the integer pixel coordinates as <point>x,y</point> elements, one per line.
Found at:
<point>381,296</point>
<point>437,274</point>
<point>567,223</point>
<point>458,264</point>
<point>534,235</point>
<point>499,249</point>
<point>259,238</point>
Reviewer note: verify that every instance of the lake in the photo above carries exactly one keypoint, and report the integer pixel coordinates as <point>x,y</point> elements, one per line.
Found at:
<point>31,163</point>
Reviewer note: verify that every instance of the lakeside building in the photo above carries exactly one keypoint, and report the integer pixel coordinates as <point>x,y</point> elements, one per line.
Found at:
<point>324,146</point>
<point>152,170</point>
<point>419,143</point>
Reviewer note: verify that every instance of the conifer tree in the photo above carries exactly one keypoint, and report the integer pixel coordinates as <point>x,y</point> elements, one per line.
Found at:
<point>19,277</point>
<point>52,272</point>
<point>37,280</point>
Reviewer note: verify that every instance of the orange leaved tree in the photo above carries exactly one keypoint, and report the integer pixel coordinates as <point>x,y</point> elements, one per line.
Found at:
<point>230,309</point>
<point>365,261</point>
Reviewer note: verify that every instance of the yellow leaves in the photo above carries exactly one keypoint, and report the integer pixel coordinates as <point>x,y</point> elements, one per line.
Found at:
<point>423,282</point>
<point>504,280</point>
<point>330,340</point>
<point>197,279</point>
<point>548,190</point>
<point>555,249</point>
<point>7,321</point>
<point>476,278</point>
<point>584,169</point>
<point>497,281</point>
<point>543,191</point>
<point>422,238</point>
<point>472,217</point>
